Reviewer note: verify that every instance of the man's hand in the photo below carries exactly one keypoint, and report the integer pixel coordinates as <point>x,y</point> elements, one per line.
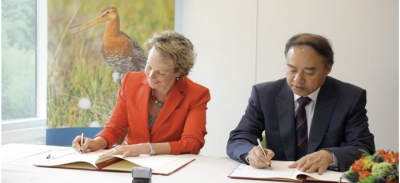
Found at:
<point>257,159</point>
<point>314,162</point>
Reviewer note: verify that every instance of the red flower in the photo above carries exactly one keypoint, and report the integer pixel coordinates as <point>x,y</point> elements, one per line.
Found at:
<point>391,181</point>
<point>363,174</point>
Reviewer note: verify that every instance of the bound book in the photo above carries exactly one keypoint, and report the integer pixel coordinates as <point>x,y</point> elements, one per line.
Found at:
<point>281,172</point>
<point>160,164</point>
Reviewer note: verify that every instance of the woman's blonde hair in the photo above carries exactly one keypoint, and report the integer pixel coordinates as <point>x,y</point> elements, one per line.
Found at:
<point>174,49</point>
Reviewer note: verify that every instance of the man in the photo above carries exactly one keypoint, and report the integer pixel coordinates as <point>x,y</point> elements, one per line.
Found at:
<point>327,131</point>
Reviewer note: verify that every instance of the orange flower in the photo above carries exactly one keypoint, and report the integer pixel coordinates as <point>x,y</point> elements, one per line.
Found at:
<point>363,174</point>
<point>380,165</point>
<point>381,152</point>
<point>391,158</point>
<point>358,164</point>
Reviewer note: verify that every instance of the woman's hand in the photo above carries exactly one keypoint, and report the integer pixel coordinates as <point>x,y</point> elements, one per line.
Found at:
<point>89,144</point>
<point>129,150</point>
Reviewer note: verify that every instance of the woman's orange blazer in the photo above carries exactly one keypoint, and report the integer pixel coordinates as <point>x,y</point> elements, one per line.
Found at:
<point>181,121</point>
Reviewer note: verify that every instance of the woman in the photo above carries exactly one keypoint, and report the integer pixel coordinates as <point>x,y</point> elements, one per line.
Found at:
<point>163,111</point>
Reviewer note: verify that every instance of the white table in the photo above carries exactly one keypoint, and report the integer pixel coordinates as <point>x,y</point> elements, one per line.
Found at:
<point>17,166</point>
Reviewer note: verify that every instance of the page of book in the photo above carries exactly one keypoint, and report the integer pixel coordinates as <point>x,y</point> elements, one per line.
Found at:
<point>281,171</point>
<point>71,158</point>
<point>163,165</point>
<point>160,164</point>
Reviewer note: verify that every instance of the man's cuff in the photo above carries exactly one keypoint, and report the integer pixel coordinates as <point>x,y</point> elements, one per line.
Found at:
<point>333,165</point>
<point>245,158</point>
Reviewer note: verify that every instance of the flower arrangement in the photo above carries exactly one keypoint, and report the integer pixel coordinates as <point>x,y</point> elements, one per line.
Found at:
<point>380,167</point>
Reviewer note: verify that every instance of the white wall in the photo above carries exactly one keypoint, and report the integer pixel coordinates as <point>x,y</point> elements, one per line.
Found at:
<point>241,43</point>
<point>223,36</point>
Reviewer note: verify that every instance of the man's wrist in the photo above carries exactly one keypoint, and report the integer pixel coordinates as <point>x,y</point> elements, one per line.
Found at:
<point>329,155</point>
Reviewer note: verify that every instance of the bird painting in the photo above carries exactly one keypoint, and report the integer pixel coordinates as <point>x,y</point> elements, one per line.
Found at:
<point>121,53</point>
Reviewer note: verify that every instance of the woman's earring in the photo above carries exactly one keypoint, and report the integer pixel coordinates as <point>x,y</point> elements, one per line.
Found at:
<point>177,78</point>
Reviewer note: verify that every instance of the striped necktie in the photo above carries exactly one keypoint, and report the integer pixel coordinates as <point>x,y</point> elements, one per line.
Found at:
<point>301,128</point>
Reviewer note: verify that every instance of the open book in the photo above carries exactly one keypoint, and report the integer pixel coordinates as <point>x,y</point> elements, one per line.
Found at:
<point>160,164</point>
<point>281,172</point>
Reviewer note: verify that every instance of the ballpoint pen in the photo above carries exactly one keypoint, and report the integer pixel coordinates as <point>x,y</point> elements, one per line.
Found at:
<point>262,149</point>
<point>81,142</point>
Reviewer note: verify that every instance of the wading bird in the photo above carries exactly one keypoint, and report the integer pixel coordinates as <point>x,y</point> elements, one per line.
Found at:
<point>121,53</point>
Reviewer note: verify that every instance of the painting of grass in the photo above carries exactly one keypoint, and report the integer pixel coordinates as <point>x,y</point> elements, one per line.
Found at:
<point>81,90</point>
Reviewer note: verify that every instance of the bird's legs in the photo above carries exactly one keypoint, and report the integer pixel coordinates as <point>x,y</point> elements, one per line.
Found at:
<point>117,77</point>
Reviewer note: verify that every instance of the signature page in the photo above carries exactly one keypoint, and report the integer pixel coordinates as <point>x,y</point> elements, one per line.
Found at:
<point>69,158</point>
<point>280,171</point>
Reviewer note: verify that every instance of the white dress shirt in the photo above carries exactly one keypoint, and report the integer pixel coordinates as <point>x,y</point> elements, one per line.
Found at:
<point>309,108</point>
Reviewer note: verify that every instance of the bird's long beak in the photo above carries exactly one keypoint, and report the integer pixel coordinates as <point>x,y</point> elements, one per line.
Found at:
<point>88,24</point>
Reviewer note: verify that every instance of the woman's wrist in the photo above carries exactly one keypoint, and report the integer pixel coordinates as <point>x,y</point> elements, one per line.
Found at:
<point>100,143</point>
<point>145,149</point>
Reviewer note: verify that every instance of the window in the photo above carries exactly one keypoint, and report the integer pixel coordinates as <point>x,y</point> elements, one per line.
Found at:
<point>24,70</point>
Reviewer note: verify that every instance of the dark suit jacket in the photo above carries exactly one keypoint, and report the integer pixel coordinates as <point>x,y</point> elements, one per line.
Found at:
<point>181,122</point>
<point>339,124</point>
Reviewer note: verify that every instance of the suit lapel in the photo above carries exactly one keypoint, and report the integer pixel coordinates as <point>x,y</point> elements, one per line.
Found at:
<point>143,101</point>
<point>322,114</point>
<point>174,98</point>
<point>285,109</point>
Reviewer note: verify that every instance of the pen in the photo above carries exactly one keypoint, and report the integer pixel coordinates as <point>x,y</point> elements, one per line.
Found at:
<point>262,149</point>
<point>81,142</point>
